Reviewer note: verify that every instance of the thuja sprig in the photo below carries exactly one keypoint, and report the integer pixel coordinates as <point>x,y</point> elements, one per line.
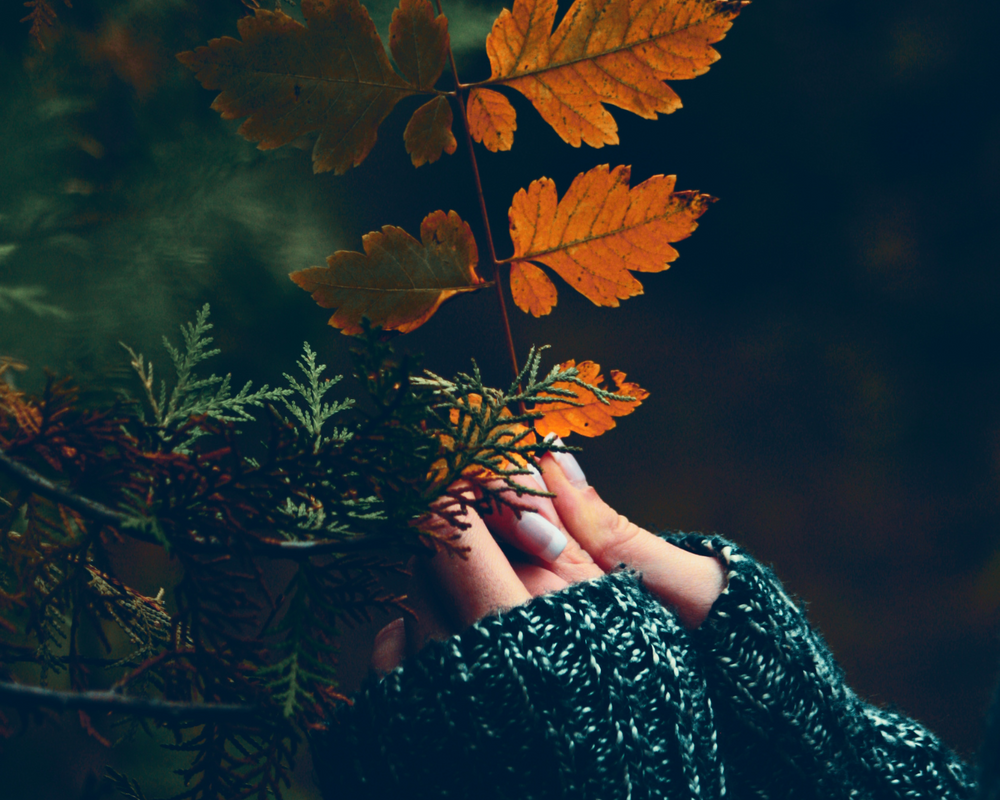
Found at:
<point>192,395</point>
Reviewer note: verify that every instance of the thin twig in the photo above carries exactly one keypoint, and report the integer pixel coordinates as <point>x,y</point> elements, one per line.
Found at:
<point>264,545</point>
<point>20,696</point>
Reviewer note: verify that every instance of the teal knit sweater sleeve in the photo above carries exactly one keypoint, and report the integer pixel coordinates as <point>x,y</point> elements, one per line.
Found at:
<point>598,692</point>
<point>788,724</point>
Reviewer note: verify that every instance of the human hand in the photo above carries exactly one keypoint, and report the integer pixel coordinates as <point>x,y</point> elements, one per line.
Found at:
<point>572,537</point>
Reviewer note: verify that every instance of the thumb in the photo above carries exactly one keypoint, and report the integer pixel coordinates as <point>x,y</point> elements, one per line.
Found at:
<point>390,646</point>
<point>687,582</point>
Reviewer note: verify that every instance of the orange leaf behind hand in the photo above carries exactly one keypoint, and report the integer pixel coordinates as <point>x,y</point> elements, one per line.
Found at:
<point>593,417</point>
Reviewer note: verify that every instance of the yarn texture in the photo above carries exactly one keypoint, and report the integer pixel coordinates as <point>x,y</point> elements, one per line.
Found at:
<point>599,692</point>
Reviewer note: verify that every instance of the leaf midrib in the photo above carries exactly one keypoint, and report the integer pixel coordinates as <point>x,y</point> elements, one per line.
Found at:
<point>559,65</point>
<point>596,237</point>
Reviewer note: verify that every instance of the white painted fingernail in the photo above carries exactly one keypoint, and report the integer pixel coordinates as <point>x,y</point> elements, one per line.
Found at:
<point>537,475</point>
<point>539,536</point>
<point>570,467</point>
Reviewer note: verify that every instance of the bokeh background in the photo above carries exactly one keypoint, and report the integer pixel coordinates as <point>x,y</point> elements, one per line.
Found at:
<point>821,359</point>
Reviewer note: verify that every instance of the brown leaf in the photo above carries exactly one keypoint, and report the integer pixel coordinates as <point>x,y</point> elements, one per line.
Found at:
<point>532,289</point>
<point>419,42</point>
<point>601,229</point>
<point>428,133</point>
<point>617,52</point>
<point>289,80</point>
<point>398,282</point>
<point>593,417</point>
<point>492,119</point>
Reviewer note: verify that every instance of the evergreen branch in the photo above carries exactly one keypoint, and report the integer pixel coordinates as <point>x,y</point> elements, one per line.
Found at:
<point>131,525</point>
<point>18,695</point>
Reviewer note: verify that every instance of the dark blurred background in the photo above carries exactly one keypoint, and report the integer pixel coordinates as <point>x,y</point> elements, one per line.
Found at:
<point>821,358</point>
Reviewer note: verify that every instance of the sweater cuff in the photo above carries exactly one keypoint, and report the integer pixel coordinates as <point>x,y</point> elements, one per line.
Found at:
<point>583,693</point>
<point>785,715</point>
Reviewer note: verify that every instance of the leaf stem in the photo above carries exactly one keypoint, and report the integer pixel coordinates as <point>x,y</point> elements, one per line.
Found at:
<point>482,209</point>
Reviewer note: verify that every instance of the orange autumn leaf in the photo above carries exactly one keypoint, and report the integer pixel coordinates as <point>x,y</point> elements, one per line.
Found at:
<point>492,119</point>
<point>531,288</point>
<point>592,417</point>
<point>398,282</point>
<point>615,52</point>
<point>597,233</point>
<point>472,432</point>
<point>428,133</point>
<point>330,77</point>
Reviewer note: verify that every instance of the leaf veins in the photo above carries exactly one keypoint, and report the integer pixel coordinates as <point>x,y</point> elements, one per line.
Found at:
<point>398,282</point>
<point>428,133</point>
<point>589,415</point>
<point>617,52</point>
<point>599,231</point>
<point>332,76</point>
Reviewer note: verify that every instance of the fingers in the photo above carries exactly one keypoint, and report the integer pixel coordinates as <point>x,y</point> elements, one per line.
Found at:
<point>540,534</point>
<point>482,583</point>
<point>688,582</point>
<point>538,580</point>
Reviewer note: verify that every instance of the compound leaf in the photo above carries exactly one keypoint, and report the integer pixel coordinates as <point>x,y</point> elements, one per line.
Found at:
<point>599,231</point>
<point>398,282</point>
<point>332,76</point>
<point>428,133</point>
<point>588,415</point>
<point>492,119</point>
<point>617,52</point>
<point>419,42</point>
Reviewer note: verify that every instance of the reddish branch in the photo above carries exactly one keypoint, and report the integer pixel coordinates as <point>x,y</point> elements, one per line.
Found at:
<point>17,695</point>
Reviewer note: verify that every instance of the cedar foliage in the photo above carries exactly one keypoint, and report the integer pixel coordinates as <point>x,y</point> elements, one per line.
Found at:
<point>237,669</point>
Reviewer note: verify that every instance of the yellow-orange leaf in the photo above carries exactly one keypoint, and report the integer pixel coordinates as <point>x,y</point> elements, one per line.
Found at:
<point>532,289</point>
<point>492,119</point>
<point>428,133</point>
<point>593,417</point>
<point>617,52</point>
<point>600,230</point>
<point>398,282</point>
<point>332,76</point>
<point>419,42</point>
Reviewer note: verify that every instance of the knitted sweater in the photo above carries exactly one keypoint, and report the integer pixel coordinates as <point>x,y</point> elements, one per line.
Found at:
<point>599,692</point>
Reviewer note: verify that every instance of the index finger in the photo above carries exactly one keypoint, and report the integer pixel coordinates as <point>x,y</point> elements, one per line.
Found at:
<point>482,583</point>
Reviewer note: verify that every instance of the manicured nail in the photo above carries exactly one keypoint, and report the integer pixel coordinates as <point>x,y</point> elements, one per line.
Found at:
<point>537,475</point>
<point>570,467</point>
<point>539,536</point>
<point>389,648</point>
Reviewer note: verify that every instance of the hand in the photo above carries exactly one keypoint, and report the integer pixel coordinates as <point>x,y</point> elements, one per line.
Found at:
<point>572,537</point>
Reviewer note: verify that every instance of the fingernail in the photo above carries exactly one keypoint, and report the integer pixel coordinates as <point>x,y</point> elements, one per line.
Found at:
<point>540,537</point>
<point>389,648</point>
<point>537,475</point>
<point>570,467</point>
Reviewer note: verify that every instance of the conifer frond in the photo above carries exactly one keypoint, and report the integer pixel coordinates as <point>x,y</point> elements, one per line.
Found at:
<point>375,484</point>
<point>314,415</point>
<point>192,395</point>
